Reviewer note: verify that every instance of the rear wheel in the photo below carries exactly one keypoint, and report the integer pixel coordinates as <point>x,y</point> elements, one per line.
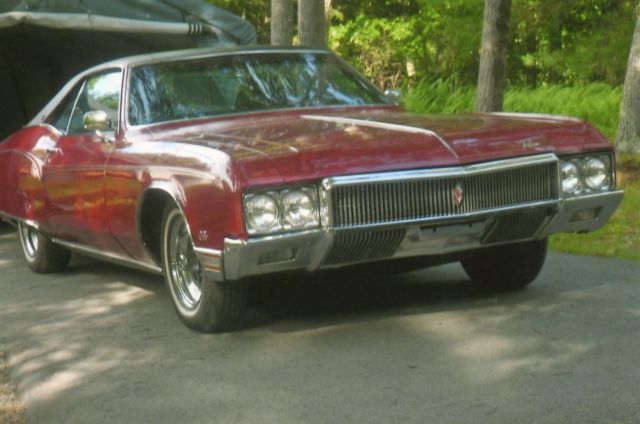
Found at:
<point>42,255</point>
<point>203,305</point>
<point>506,267</point>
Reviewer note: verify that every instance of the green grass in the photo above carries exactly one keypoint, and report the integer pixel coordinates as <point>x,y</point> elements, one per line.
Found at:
<point>597,103</point>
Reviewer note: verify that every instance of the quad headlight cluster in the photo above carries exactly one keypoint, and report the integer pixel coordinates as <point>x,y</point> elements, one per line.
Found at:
<point>273,211</point>
<point>586,174</point>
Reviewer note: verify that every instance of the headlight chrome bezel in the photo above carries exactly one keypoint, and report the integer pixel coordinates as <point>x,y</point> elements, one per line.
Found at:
<point>249,218</point>
<point>581,163</point>
<point>283,224</point>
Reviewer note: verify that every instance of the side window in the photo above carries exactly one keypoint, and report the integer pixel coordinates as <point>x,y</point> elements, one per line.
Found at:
<point>100,92</point>
<point>60,116</point>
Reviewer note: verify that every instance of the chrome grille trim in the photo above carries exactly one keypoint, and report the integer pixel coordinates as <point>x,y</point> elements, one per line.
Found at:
<point>426,195</point>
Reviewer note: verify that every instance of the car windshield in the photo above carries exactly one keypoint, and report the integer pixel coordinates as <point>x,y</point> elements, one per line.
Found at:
<point>244,83</point>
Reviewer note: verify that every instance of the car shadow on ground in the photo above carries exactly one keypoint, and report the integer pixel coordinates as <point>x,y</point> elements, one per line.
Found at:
<point>5,228</point>
<point>296,302</point>
<point>302,302</point>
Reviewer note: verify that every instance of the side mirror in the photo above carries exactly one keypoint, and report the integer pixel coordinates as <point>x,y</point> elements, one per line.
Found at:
<point>395,95</point>
<point>96,120</point>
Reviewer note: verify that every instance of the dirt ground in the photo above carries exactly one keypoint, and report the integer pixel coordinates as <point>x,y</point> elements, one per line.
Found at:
<point>11,409</point>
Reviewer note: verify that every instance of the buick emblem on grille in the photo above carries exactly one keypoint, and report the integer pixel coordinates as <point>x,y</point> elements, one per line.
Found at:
<point>456,194</point>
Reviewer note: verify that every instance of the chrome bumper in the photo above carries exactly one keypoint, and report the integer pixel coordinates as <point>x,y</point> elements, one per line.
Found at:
<point>308,250</point>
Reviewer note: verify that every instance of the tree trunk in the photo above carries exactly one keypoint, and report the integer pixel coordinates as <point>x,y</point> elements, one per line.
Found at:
<point>493,55</point>
<point>281,22</point>
<point>327,15</point>
<point>312,27</point>
<point>628,135</point>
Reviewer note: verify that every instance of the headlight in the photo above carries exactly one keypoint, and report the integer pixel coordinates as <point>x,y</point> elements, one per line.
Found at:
<point>299,209</point>
<point>570,175</point>
<point>273,211</point>
<point>261,213</point>
<point>586,174</point>
<point>596,174</point>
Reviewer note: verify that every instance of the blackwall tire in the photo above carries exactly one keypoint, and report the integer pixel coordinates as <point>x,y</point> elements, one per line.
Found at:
<point>42,255</point>
<point>507,267</point>
<point>203,305</point>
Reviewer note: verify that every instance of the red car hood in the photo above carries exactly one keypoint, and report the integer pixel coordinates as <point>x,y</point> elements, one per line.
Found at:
<point>310,145</point>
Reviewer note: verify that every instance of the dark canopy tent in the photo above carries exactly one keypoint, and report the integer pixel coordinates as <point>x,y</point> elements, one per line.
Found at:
<point>43,43</point>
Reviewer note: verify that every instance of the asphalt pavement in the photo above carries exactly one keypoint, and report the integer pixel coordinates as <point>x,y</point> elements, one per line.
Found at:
<point>101,344</point>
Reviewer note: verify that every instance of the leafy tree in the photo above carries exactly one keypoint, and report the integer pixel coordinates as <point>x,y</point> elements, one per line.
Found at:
<point>402,42</point>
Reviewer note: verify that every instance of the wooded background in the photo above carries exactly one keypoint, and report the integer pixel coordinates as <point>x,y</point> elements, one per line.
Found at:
<point>566,56</point>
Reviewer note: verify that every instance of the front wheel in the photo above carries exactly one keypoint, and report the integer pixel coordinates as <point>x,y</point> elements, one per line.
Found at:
<point>506,267</point>
<point>42,255</point>
<point>203,305</point>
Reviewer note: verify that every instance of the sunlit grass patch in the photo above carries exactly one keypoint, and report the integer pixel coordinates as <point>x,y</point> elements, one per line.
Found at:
<point>598,103</point>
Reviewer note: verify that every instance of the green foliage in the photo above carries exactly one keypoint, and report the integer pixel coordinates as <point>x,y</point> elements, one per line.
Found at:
<point>440,96</point>
<point>598,103</point>
<point>257,12</point>
<point>440,40</point>
<point>552,42</point>
<point>379,47</point>
<point>349,9</point>
<point>399,42</point>
<point>570,40</point>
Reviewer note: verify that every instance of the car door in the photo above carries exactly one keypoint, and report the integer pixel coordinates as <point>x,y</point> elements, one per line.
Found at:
<point>74,171</point>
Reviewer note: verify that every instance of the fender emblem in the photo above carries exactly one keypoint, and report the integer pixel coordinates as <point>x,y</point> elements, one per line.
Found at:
<point>457,194</point>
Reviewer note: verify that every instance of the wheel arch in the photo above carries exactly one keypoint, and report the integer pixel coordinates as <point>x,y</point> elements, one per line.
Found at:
<point>153,202</point>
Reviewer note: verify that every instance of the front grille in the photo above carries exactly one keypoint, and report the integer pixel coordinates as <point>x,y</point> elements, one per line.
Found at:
<point>360,245</point>
<point>380,202</point>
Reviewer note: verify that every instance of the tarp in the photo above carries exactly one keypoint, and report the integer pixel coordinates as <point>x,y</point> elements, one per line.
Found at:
<point>43,43</point>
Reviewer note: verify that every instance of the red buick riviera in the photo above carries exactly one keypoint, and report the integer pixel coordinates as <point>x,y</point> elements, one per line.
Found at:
<point>213,166</point>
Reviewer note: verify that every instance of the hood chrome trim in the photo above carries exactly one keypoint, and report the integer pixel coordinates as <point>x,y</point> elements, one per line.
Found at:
<point>383,125</point>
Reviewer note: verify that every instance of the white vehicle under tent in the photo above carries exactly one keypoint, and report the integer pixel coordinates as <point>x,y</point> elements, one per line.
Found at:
<point>43,43</point>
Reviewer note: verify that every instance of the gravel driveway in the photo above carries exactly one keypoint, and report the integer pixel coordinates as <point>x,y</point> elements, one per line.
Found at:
<point>101,344</point>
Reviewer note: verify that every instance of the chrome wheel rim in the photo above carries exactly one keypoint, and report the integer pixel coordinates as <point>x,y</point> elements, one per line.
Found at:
<point>185,270</point>
<point>30,241</point>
